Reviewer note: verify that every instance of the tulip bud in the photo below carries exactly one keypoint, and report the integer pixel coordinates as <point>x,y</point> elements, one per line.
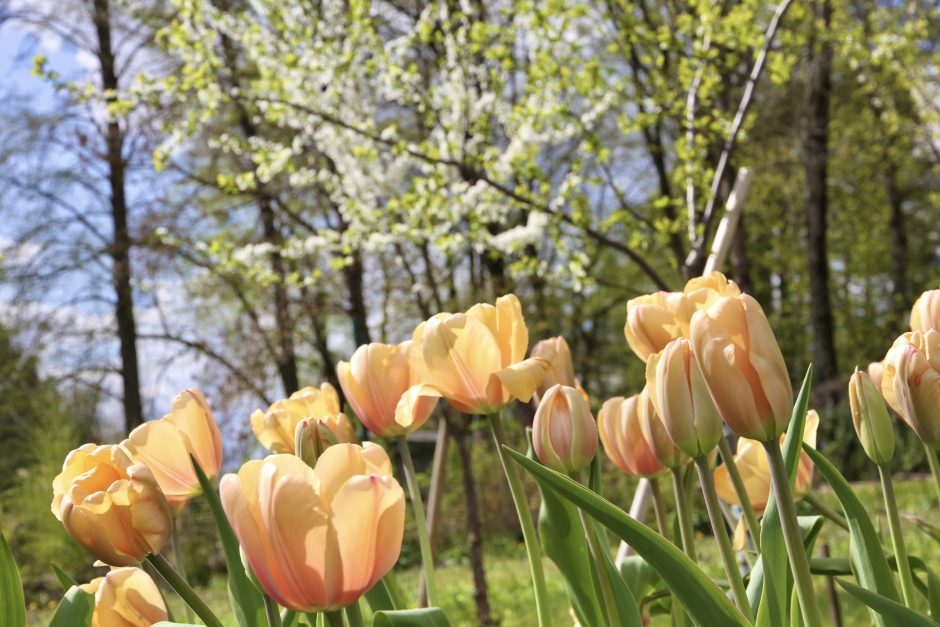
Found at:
<point>315,435</point>
<point>654,320</point>
<point>870,417</point>
<point>743,368</point>
<point>925,314</point>
<point>276,427</point>
<point>911,383</point>
<point>564,434</point>
<point>680,396</point>
<point>657,438</point>
<point>560,369</point>
<point>111,506</point>
<point>126,597</point>
<point>618,424</point>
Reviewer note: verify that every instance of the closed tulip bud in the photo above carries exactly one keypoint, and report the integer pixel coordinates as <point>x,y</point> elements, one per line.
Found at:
<point>476,360</point>
<point>751,459</point>
<point>317,538</point>
<point>657,438</point>
<point>654,320</point>
<point>743,368</point>
<point>165,446</point>
<point>126,597</point>
<point>315,435</point>
<point>275,428</point>
<point>870,417</point>
<point>911,383</point>
<point>379,386</point>
<point>680,396</point>
<point>925,314</point>
<point>564,434</point>
<point>618,424</point>
<point>111,505</point>
<point>560,369</point>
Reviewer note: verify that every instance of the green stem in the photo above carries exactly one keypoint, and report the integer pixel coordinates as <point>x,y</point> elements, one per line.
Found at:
<point>177,549</point>
<point>424,538</point>
<point>659,508</point>
<point>600,567</point>
<point>271,611</point>
<point>354,615</point>
<point>721,536</point>
<point>182,588</point>
<point>735,475</point>
<point>825,511</point>
<point>934,468</point>
<point>532,548</point>
<point>289,618</point>
<point>897,537</point>
<point>334,618</point>
<point>683,513</point>
<point>799,564</point>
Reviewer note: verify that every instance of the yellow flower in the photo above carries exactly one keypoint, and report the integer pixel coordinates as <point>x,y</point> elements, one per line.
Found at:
<point>276,427</point>
<point>564,434</point>
<point>126,597</point>
<point>555,351</point>
<point>925,314</point>
<point>654,431</point>
<point>911,383</point>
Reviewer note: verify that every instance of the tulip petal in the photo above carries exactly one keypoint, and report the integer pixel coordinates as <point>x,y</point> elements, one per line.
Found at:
<point>191,415</point>
<point>161,447</point>
<point>341,461</point>
<point>520,380</point>
<point>415,406</point>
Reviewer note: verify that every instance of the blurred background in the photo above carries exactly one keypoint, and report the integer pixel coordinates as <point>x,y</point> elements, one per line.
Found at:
<point>232,195</point>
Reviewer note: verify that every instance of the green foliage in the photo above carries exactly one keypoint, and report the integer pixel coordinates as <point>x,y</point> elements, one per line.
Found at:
<point>74,610</point>
<point>12,607</point>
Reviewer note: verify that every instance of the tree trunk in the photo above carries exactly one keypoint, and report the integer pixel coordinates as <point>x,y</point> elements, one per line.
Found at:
<point>353,273</point>
<point>286,357</point>
<point>121,244</point>
<point>899,284</point>
<point>815,160</point>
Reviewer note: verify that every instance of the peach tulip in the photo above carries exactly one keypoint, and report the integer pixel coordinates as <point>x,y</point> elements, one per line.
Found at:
<point>911,383</point>
<point>555,351</point>
<point>702,292</point>
<point>654,320</point>
<point>564,434</point>
<point>875,371</point>
<point>317,538</point>
<point>743,368</point>
<point>379,386</point>
<point>925,314</point>
<point>654,431</point>
<point>275,428</point>
<point>314,435</point>
<point>165,446</point>
<point>751,459</point>
<point>111,505</point>
<point>618,424</point>
<point>126,597</point>
<point>476,359</point>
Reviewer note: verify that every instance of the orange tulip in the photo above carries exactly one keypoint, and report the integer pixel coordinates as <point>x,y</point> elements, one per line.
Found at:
<point>317,538</point>
<point>911,383</point>
<point>379,386</point>
<point>654,431</point>
<point>476,360</point>
<point>743,368</point>
<point>276,427</point>
<point>555,351</point>
<point>111,505</point>
<point>618,424</point>
<point>165,446</point>
<point>126,597</point>
<point>751,459</point>
<point>564,434</point>
<point>925,314</point>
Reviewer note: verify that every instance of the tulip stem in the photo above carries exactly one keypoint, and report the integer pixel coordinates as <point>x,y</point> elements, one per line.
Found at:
<point>897,537</point>
<point>177,549</point>
<point>421,522</point>
<point>825,511</point>
<point>334,618</point>
<point>354,615</point>
<point>799,564</point>
<point>612,610</point>
<point>532,548</point>
<point>721,535</point>
<point>659,507</point>
<point>750,519</point>
<point>271,611</point>
<point>934,468</point>
<point>683,513</point>
<point>182,588</point>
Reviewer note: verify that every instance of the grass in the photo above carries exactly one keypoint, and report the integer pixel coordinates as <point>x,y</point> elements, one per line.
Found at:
<point>510,591</point>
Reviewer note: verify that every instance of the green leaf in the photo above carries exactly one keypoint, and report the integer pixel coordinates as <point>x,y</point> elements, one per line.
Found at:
<point>641,578</point>
<point>166,623</point>
<point>770,592</point>
<point>380,596</point>
<point>244,598</point>
<point>928,528</point>
<point>12,607</point>
<point>74,610</point>
<point>425,617</point>
<point>692,587</point>
<point>888,611</point>
<point>930,590</point>
<point>64,578</point>
<point>865,551</point>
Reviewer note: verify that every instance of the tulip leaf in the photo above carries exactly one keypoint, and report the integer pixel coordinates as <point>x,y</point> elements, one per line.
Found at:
<point>380,596</point>
<point>65,580</point>
<point>889,611</point>
<point>692,587</point>
<point>244,597</point>
<point>770,592</point>
<point>12,607</point>
<point>74,610</point>
<point>929,529</point>
<point>425,617</point>
<point>641,578</point>
<point>865,551</point>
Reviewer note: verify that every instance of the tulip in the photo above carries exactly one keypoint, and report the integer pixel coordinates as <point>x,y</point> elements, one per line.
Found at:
<point>681,398</point>
<point>618,424</point>
<point>654,320</point>
<point>702,292</point>
<point>560,369</point>
<point>875,371</point>
<point>654,431</point>
<point>165,446</point>
<point>870,417</point>
<point>276,427</point>
<point>911,383</point>
<point>111,505</point>
<point>476,360</point>
<point>317,538</point>
<point>315,435</point>
<point>925,314</point>
<point>378,384</point>
<point>126,597</point>
<point>751,459</point>
<point>564,434</point>
<point>743,368</point>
